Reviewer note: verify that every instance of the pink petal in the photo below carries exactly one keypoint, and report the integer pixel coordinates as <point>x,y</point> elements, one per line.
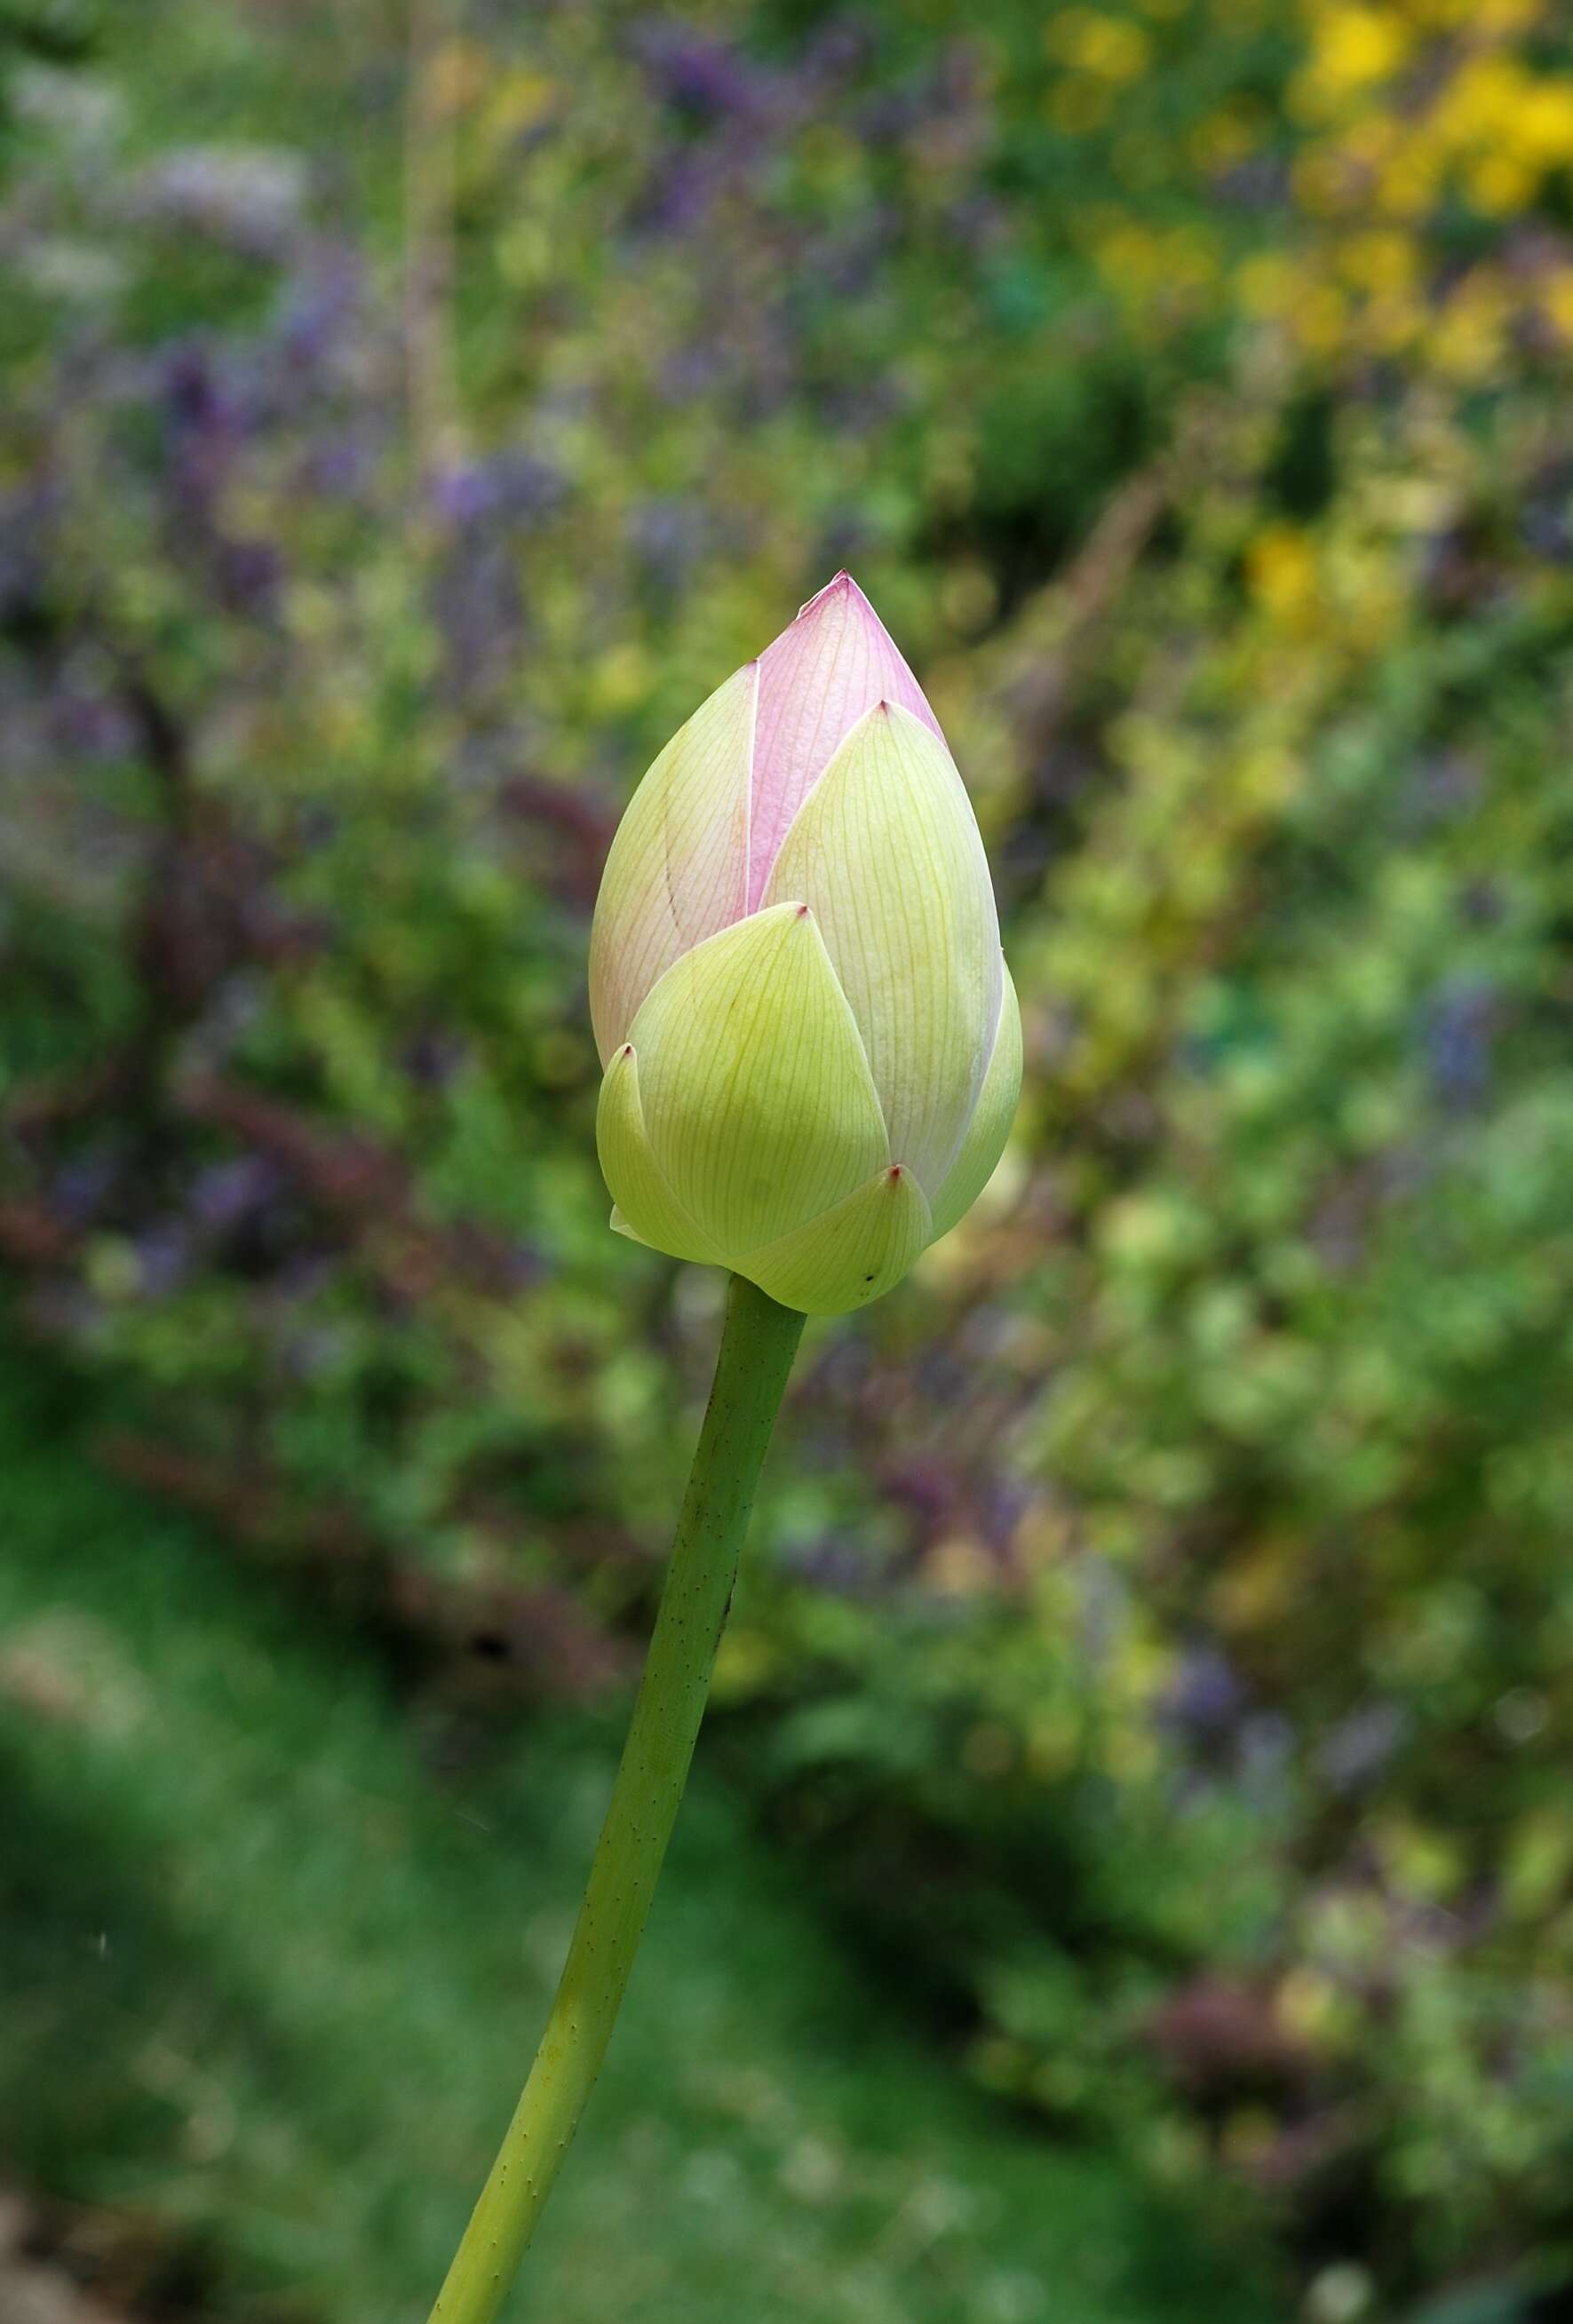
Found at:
<point>835,663</point>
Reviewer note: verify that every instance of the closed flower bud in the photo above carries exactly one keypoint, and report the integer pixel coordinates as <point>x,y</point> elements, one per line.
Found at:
<point>811,1044</point>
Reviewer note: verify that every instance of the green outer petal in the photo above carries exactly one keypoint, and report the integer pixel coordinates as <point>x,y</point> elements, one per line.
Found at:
<point>756,1093</point>
<point>678,869</point>
<point>990,1126</point>
<point>886,850</point>
<point>645,1206</point>
<point>850,1254</point>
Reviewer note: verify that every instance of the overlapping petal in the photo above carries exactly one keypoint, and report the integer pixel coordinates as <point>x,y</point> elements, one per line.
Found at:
<point>755,1093</point>
<point>850,1254</point>
<point>678,869</point>
<point>886,850</point>
<point>646,1207</point>
<point>990,1126</point>
<point>818,680</point>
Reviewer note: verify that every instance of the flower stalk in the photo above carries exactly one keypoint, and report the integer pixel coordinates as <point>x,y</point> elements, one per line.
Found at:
<point>759,1341</point>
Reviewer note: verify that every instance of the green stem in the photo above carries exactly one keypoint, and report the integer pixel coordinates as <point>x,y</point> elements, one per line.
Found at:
<point>758,1342</point>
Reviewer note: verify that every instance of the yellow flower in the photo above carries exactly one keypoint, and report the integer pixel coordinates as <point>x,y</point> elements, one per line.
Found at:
<point>1187,258</point>
<point>1542,128</point>
<point>1267,283</point>
<point>1390,325</point>
<point>1377,261</point>
<point>1481,103</point>
<point>1127,257</point>
<point>1354,47</point>
<point>1280,569</point>
<point>1223,138</point>
<point>1557,301</point>
<point>1110,47</point>
<point>1467,338</point>
<point>1500,185</point>
<point>1503,17</point>
<point>1320,318</point>
<point>1325,182</point>
<point>1410,184</point>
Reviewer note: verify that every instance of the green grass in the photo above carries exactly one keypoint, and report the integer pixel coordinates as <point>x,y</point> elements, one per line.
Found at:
<point>269,1979</point>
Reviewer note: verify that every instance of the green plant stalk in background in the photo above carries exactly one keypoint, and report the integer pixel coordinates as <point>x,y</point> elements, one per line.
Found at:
<point>758,1341</point>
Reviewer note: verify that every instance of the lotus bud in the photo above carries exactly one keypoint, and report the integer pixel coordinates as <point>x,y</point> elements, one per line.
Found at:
<point>812,1045</point>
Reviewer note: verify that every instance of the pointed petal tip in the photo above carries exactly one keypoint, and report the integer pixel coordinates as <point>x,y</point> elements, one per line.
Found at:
<point>850,1253</point>
<point>826,672</point>
<point>836,586</point>
<point>886,848</point>
<point>643,1206</point>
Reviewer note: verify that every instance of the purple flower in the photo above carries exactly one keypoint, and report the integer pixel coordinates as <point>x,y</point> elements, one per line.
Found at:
<point>229,1194</point>
<point>163,1255</point>
<point>1459,1043</point>
<point>511,487</point>
<point>699,77</point>
<point>1207,1697</point>
<point>1354,1753</point>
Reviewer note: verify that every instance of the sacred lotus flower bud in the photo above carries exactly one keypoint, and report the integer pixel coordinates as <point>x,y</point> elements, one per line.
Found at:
<point>812,1043</point>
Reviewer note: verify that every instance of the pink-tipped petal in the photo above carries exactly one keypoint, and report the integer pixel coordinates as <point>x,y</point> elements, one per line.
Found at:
<point>677,868</point>
<point>818,679</point>
<point>886,853</point>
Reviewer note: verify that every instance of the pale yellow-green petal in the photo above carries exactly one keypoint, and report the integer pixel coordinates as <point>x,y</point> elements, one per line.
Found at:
<point>849,1255</point>
<point>644,1205</point>
<point>990,1126</point>
<point>755,1091</point>
<point>678,869</point>
<point>886,850</point>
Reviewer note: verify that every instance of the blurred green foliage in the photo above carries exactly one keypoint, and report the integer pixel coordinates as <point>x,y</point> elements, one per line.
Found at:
<point>1157,1639</point>
<point>181,1751</point>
